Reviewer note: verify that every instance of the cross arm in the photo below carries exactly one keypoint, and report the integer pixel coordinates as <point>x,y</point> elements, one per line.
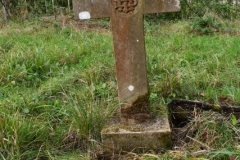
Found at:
<point>102,8</point>
<point>96,8</point>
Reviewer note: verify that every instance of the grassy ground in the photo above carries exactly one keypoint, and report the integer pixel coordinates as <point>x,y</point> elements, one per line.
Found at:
<point>58,86</point>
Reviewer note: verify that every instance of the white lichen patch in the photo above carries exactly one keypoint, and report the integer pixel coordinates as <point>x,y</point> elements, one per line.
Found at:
<point>84,15</point>
<point>131,88</point>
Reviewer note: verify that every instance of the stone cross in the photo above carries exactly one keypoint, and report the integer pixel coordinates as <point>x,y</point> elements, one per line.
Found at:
<point>136,129</point>
<point>129,47</point>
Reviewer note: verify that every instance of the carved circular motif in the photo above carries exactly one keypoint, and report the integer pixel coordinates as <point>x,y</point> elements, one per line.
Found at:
<point>125,6</point>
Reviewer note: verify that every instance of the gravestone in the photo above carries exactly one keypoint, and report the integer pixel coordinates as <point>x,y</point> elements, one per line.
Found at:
<point>137,128</point>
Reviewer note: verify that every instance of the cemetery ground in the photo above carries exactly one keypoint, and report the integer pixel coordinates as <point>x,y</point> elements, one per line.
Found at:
<point>58,87</point>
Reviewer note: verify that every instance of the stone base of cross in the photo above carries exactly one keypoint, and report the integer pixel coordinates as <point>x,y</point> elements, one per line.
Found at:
<point>136,128</point>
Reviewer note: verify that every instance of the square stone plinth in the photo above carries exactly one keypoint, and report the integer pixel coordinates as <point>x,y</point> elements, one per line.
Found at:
<point>153,135</point>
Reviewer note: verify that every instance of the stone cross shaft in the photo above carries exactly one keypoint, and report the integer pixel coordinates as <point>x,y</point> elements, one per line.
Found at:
<point>129,47</point>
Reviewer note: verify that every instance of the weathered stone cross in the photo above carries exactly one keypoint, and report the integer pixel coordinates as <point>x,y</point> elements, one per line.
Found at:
<point>129,47</point>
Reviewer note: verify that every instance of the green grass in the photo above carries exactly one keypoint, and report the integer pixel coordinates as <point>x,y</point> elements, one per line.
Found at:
<point>185,65</point>
<point>47,78</point>
<point>58,85</point>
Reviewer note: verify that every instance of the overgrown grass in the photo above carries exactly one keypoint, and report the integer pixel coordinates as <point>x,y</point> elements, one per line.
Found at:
<point>186,65</point>
<point>58,86</point>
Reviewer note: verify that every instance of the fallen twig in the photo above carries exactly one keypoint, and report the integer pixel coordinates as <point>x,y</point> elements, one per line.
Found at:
<point>188,104</point>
